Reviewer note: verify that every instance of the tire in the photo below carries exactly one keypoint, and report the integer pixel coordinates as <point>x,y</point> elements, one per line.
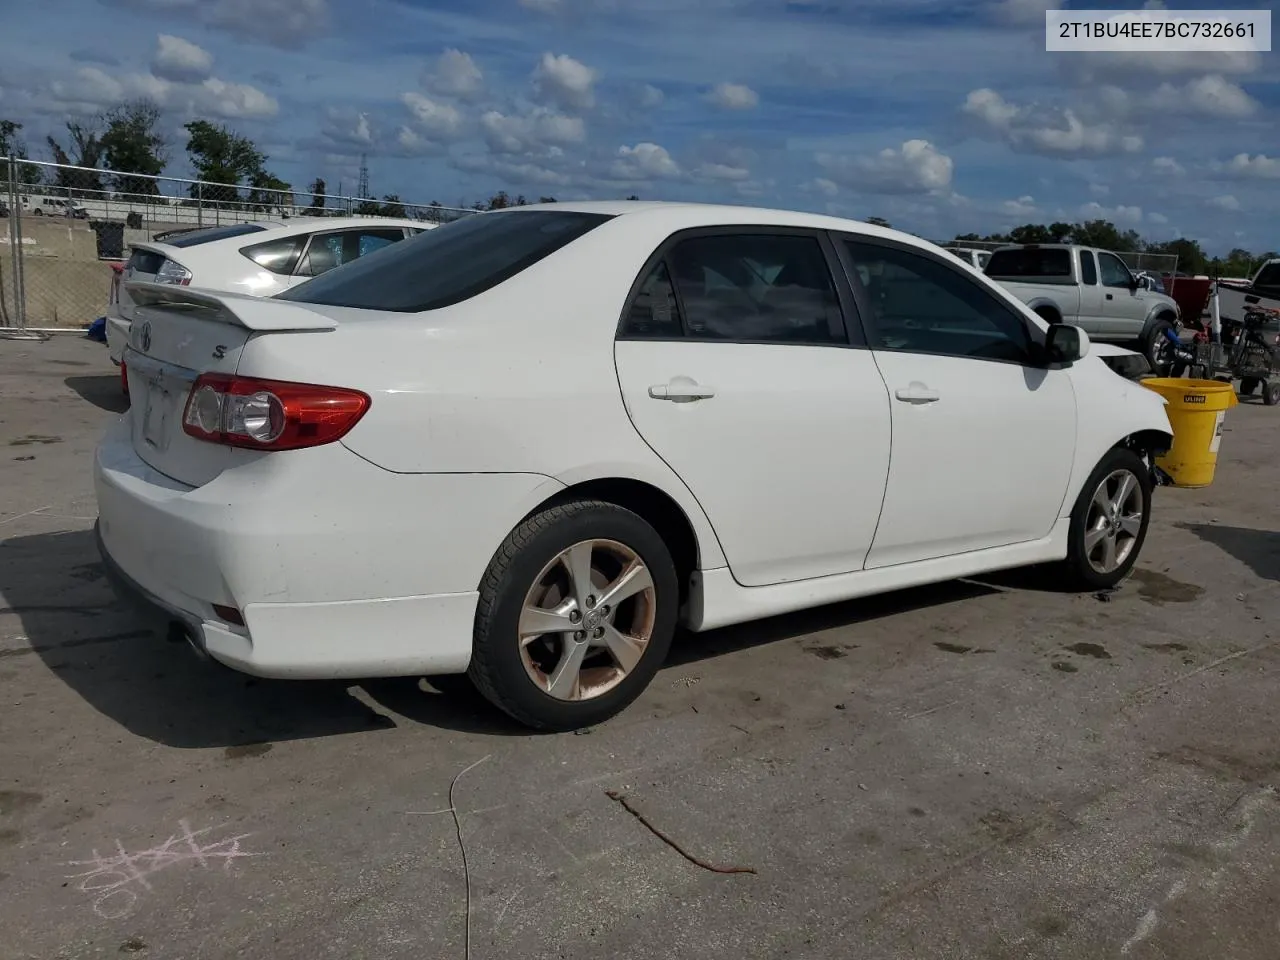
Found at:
<point>39,212</point>
<point>1082,566</point>
<point>531,569</point>
<point>1248,385</point>
<point>1271,393</point>
<point>1155,347</point>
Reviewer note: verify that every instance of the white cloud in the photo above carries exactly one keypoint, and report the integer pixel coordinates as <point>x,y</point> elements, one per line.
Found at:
<point>828,187</point>
<point>722,171</point>
<point>89,89</point>
<point>284,23</point>
<point>733,96</point>
<point>439,121</point>
<point>649,96</point>
<point>1227,202</point>
<point>1157,218</point>
<point>236,101</point>
<point>1118,215</point>
<point>644,161</point>
<point>1168,167</point>
<point>1050,131</point>
<point>1022,207</point>
<point>529,132</point>
<point>180,60</point>
<point>455,74</point>
<point>1099,189</point>
<point>1246,167</point>
<point>566,81</point>
<point>1024,12</point>
<point>915,167</point>
<point>1212,96</point>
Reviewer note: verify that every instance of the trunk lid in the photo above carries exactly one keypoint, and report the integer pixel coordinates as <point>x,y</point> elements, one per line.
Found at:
<point>177,334</point>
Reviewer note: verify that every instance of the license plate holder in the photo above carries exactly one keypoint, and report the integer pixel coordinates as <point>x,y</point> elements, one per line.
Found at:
<point>155,415</point>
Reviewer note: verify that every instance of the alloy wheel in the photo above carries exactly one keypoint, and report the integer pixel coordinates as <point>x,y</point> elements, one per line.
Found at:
<point>587,620</point>
<point>1114,521</point>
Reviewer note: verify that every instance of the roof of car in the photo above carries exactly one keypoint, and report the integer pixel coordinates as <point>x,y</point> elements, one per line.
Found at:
<point>683,215</point>
<point>275,229</point>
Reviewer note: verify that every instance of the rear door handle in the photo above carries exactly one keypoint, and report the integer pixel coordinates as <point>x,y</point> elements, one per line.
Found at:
<point>917,393</point>
<point>1110,297</point>
<point>681,390</point>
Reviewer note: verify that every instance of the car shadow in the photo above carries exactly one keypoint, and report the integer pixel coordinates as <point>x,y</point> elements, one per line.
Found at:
<point>102,390</point>
<point>163,692</point>
<point>1259,550</point>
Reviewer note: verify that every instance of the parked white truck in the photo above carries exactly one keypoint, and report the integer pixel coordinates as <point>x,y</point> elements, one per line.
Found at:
<point>1260,293</point>
<point>1093,289</point>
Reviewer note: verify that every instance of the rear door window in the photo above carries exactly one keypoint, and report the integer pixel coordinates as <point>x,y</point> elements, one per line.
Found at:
<point>1088,268</point>
<point>452,263</point>
<point>329,250</point>
<point>1032,263</point>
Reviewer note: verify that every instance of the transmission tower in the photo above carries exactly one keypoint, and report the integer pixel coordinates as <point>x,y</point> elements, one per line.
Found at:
<point>363,189</point>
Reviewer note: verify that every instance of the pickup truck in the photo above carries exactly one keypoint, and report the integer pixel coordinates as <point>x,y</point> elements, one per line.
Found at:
<point>1262,293</point>
<point>1093,289</point>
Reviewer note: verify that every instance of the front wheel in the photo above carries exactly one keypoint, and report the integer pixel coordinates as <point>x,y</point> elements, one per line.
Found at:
<point>1109,521</point>
<point>1158,348</point>
<point>1271,393</point>
<point>576,615</point>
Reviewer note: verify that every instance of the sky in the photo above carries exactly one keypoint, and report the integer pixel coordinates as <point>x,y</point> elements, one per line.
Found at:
<point>943,117</point>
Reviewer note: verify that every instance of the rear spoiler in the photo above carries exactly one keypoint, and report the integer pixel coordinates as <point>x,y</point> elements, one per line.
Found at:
<point>261,314</point>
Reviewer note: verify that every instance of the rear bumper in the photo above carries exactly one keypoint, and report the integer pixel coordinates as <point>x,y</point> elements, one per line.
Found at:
<point>325,557</point>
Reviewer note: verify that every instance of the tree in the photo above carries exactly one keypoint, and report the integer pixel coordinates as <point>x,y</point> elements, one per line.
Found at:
<point>546,199</point>
<point>132,144</point>
<point>392,206</point>
<point>13,145</point>
<point>317,195</point>
<point>633,197</point>
<point>499,201</point>
<point>222,156</point>
<point>1191,259</point>
<point>1102,234</point>
<point>880,222</point>
<point>85,151</point>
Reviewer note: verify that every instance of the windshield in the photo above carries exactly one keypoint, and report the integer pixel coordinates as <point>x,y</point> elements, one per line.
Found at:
<point>449,264</point>
<point>1039,262</point>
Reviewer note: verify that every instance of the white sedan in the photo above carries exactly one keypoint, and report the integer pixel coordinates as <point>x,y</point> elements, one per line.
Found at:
<point>260,258</point>
<point>529,444</point>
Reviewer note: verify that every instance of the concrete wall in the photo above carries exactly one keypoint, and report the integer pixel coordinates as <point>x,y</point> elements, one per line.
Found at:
<point>66,284</point>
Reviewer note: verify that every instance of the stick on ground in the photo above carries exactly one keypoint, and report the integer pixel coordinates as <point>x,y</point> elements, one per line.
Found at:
<point>614,795</point>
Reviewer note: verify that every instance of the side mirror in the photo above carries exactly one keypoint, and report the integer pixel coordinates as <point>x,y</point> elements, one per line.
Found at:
<point>1065,344</point>
<point>1136,283</point>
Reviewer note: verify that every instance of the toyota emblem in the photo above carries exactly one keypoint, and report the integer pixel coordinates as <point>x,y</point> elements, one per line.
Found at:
<point>145,338</point>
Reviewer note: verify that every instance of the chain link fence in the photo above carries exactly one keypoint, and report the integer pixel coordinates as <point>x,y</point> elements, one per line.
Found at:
<point>62,227</point>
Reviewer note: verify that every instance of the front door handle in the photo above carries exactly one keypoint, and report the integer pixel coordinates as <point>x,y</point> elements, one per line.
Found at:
<point>681,390</point>
<point>1110,297</point>
<point>917,393</point>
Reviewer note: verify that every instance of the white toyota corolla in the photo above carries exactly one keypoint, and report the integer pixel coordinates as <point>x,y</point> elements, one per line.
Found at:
<point>528,444</point>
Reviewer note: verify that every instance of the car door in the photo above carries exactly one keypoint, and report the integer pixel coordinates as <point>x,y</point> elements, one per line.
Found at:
<point>1090,316</point>
<point>1124,307</point>
<point>983,438</point>
<point>742,364</point>
<point>334,248</point>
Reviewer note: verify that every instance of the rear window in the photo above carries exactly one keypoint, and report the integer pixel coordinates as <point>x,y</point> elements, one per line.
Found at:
<point>449,264</point>
<point>1041,263</point>
<point>197,237</point>
<point>1269,277</point>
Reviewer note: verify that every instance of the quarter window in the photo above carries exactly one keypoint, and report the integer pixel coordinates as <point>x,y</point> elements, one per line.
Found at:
<point>759,288</point>
<point>277,256</point>
<point>921,305</point>
<point>1114,272</point>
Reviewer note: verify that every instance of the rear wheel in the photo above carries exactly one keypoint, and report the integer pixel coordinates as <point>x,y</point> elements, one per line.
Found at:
<point>576,615</point>
<point>1271,393</point>
<point>1109,522</point>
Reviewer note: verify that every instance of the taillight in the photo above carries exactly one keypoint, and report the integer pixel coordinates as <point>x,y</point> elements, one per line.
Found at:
<point>269,414</point>
<point>172,272</point>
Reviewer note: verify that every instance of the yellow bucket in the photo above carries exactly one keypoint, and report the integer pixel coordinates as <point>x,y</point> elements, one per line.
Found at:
<point>1197,409</point>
